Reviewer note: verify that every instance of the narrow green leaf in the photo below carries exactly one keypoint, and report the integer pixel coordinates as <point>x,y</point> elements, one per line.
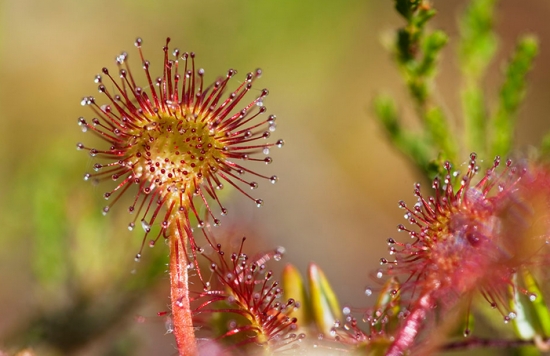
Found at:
<point>478,44</point>
<point>540,309</point>
<point>404,47</point>
<point>409,143</point>
<point>478,40</point>
<point>389,302</point>
<point>439,131</point>
<point>406,7</point>
<point>386,112</point>
<point>293,287</point>
<point>432,46</point>
<point>523,320</point>
<point>424,14</point>
<point>475,119</point>
<point>325,307</point>
<point>511,94</point>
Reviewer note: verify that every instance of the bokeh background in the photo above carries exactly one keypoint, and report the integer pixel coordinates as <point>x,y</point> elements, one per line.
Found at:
<point>65,267</point>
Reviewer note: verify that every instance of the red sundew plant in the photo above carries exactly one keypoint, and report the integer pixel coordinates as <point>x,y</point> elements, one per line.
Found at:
<point>177,141</point>
<point>476,236</point>
<point>244,290</point>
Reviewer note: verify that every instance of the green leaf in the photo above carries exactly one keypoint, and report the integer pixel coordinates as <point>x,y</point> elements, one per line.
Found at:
<point>431,47</point>
<point>475,119</point>
<point>404,46</point>
<point>411,144</point>
<point>511,94</point>
<point>537,304</point>
<point>424,14</point>
<point>440,133</point>
<point>325,307</point>
<point>386,112</point>
<point>406,7</point>
<point>523,320</point>
<point>478,41</point>
<point>477,48</point>
<point>389,302</point>
<point>293,287</point>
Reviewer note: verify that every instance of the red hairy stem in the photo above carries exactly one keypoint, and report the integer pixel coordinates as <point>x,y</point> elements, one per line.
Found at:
<point>405,338</point>
<point>179,287</point>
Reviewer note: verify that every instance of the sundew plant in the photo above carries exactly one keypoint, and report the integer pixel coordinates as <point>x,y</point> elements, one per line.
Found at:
<point>467,269</point>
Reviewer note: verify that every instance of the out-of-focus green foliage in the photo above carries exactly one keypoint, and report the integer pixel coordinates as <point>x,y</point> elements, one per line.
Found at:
<point>511,95</point>
<point>478,45</point>
<point>417,51</point>
<point>86,281</point>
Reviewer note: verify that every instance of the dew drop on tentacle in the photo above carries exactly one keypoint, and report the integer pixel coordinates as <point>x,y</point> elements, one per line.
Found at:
<point>145,225</point>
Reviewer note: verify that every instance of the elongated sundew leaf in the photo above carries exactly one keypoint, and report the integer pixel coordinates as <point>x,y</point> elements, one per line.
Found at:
<point>511,95</point>
<point>325,307</point>
<point>293,287</point>
<point>523,321</point>
<point>389,302</point>
<point>538,305</point>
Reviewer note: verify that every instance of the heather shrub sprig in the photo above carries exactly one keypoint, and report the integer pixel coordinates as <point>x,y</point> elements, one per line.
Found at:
<point>484,130</point>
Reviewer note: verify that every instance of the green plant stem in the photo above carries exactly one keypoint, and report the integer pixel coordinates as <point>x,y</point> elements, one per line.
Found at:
<point>179,287</point>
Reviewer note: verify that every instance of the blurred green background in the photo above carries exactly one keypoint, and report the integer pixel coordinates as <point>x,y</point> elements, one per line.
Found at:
<point>63,263</point>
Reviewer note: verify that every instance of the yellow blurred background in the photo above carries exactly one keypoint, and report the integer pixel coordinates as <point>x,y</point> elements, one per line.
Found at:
<point>323,61</point>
